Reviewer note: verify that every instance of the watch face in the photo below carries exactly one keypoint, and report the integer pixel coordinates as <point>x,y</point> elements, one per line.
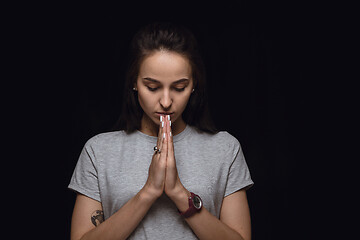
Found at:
<point>197,202</point>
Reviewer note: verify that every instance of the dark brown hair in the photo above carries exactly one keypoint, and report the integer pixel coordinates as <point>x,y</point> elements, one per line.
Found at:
<point>171,37</point>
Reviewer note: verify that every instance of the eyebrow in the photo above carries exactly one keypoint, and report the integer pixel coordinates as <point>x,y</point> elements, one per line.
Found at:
<point>157,81</point>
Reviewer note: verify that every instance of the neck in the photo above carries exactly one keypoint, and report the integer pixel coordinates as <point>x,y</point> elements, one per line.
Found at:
<point>150,128</point>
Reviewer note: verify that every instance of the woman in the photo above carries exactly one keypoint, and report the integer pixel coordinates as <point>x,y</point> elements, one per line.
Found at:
<point>167,174</point>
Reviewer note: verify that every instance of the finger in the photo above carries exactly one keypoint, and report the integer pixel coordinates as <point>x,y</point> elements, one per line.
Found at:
<point>164,147</point>
<point>160,133</point>
<point>170,141</point>
<point>170,147</point>
<point>166,121</point>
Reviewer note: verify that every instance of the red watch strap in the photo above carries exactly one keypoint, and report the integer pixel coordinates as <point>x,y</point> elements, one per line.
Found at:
<point>191,210</point>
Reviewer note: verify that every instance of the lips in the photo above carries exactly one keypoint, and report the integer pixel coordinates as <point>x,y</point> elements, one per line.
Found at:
<point>165,113</point>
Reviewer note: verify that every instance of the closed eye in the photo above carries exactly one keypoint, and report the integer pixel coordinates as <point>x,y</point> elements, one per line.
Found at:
<point>179,89</point>
<point>152,89</point>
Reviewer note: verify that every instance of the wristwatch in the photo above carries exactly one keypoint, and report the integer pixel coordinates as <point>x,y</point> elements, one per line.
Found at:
<point>195,205</point>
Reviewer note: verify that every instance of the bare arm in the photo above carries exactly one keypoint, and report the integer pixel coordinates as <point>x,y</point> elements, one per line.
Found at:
<point>234,222</point>
<point>120,225</point>
<point>236,214</point>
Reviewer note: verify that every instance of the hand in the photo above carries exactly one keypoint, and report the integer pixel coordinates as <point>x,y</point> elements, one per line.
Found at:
<point>173,187</point>
<point>157,170</point>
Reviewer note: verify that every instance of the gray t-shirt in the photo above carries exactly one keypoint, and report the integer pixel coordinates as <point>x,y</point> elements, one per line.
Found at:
<point>113,167</point>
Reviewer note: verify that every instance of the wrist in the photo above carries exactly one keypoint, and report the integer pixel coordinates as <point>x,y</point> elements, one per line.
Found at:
<point>148,194</point>
<point>195,205</point>
<point>181,198</point>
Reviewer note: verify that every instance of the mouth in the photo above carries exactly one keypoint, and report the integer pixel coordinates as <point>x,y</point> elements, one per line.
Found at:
<point>164,113</point>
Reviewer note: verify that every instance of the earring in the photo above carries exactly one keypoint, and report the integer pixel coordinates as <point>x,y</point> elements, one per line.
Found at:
<point>134,89</point>
<point>193,90</point>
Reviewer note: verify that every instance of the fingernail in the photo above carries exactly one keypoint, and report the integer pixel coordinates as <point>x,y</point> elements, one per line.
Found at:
<point>170,123</point>
<point>161,118</point>
<point>168,116</point>
<point>170,134</point>
<point>162,124</point>
<point>164,135</point>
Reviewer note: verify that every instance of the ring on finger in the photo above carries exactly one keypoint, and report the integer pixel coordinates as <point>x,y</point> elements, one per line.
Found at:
<point>157,150</point>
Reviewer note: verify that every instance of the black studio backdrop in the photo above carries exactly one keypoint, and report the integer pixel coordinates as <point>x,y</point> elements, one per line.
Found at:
<point>255,82</point>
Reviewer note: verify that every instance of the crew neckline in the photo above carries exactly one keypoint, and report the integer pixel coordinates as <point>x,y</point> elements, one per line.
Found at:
<point>176,138</point>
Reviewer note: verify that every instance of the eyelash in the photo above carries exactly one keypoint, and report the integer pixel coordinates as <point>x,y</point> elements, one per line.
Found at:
<point>176,89</point>
<point>152,89</point>
<point>179,89</point>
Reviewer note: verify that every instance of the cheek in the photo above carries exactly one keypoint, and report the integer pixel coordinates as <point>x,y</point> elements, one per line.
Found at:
<point>146,102</point>
<point>182,102</point>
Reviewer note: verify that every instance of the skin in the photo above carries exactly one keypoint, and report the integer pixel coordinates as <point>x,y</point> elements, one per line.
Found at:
<point>164,89</point>
<point>166,68</point>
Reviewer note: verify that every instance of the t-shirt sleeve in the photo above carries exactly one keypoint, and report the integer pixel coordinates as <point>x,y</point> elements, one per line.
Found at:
<point>85,176</point>
<point>239,174</point>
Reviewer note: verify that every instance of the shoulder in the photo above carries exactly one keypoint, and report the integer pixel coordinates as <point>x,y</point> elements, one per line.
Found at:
<point>227,138</point>
<point>222,139</point>
<point>106,139</point>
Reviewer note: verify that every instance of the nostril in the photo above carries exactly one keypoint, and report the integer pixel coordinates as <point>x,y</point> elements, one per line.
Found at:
<point>165,108</point>
<point>166,104</point>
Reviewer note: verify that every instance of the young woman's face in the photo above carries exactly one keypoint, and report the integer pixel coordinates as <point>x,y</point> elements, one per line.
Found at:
<point>164,85</point>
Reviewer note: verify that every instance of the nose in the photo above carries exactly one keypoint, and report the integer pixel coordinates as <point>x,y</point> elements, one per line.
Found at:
<point>166,100</point>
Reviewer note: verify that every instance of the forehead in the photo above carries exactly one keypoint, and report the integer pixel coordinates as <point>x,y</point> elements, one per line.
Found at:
<point>165,66</point>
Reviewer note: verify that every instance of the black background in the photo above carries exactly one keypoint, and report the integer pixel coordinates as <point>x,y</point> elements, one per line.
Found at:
<point>261,88</point>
